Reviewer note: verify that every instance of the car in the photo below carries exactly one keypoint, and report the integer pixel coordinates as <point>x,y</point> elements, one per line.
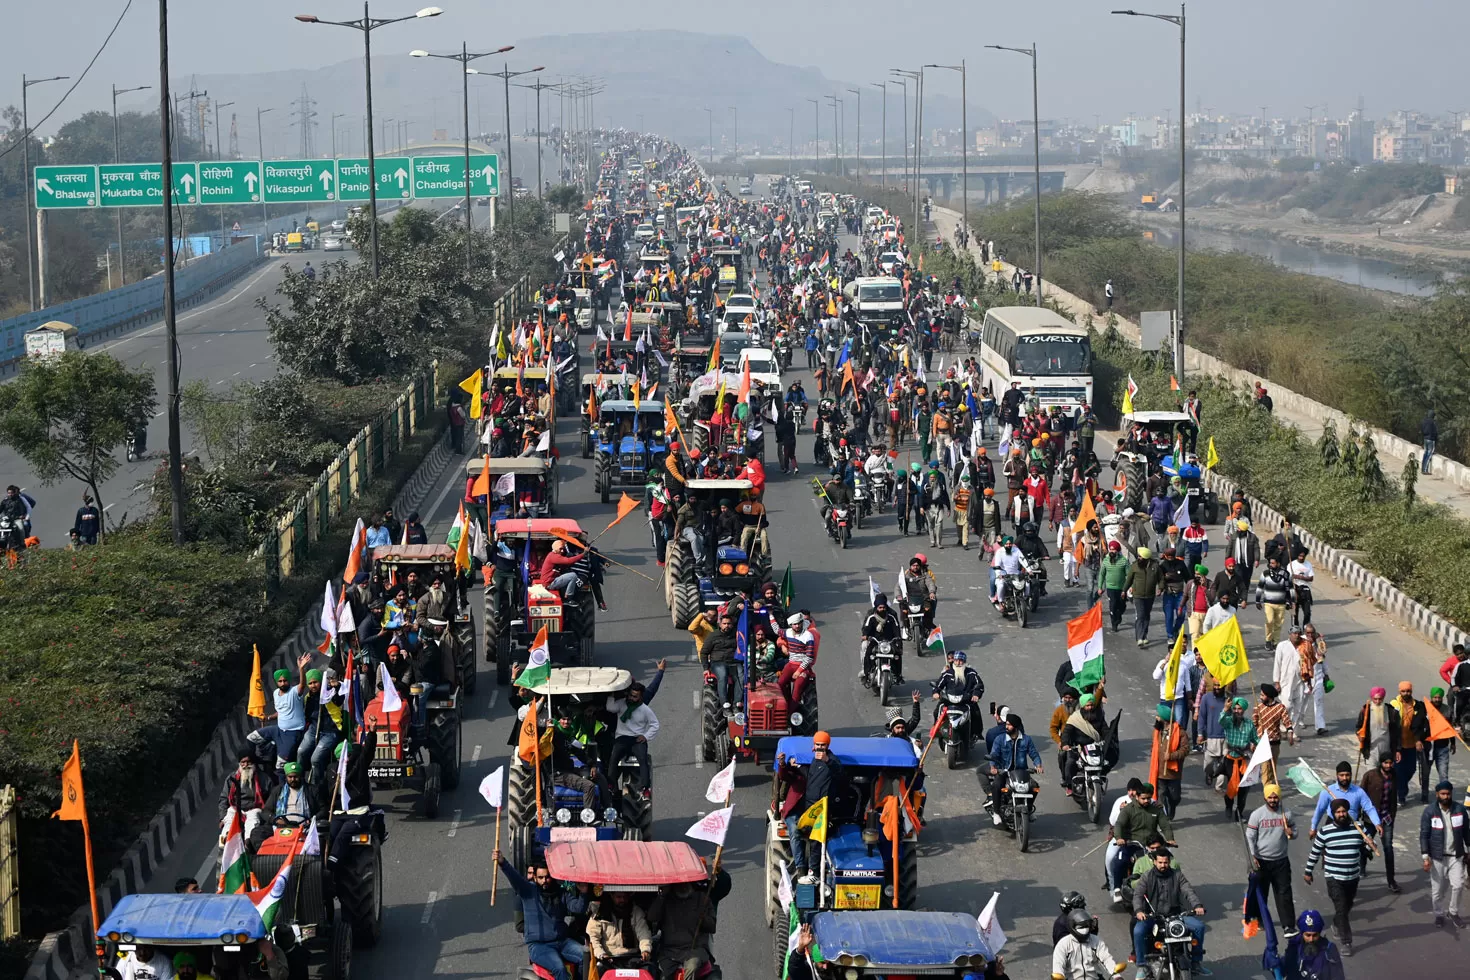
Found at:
<point>765,369</point>
<point>891,263</point>
<point>645,232</point>
<point>332,243</point>
<point>337,226</point>
<point>742,303</point>
<point>746,190</point>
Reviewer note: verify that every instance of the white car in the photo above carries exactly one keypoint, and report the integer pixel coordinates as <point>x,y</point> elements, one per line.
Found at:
<point>645,232</point>
<point>742,303</point>
<point>891,263</point>
<point>764,368</point>
<point>332,243</point>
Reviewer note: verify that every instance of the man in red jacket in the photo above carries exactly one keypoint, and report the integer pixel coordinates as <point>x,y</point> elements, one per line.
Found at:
<point>548,577</point>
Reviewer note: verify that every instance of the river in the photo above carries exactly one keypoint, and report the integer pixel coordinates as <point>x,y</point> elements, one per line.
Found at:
<point>1352,269</point>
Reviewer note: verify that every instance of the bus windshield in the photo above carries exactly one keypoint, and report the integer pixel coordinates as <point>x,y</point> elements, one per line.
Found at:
<point>888,292</point>
<point>1051,354</point>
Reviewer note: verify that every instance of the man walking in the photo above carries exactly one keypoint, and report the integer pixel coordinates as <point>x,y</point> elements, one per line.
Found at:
<point>1268,830</point>
<point>1339,845</point>
<point>1108,293</point>
<point>1429,432</point>
<point>1444,834</point>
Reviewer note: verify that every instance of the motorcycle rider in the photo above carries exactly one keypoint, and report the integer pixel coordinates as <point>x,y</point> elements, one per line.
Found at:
<point>1086,726</point>
<point>882,624</point>
<point>1164,891</point>
<point>959,679</point>
<point>920,586</point>
<point>1080,954</point>
<point>1005,565</point>
<point>839,497</point>
<point>1013,750</point>
<point>878,468</point>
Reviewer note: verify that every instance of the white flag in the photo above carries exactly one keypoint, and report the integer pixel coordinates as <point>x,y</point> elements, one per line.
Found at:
<point>771,412</point>
<point>492,787</point>
<point>711,827</point>
<point>342,770</point>
<point>903,588</point>
<point>479,545</point>
<point>329,611</point>
<point>391,700</point>
<point>600,334</point>
<point>1259,757</point>
<point>544,443</point>
<point>783,888</point>
<point>1181,516</point>
<point>990,929</point>
<point>313,843</point>
<point>872,591</point>
<point>346,622</point>
<point>663,361</point>
<point>505,485</point>
<point>721,784</point>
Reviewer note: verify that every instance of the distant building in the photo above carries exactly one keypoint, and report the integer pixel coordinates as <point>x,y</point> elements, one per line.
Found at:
<point>986,139</point>
<point>1391,147</point>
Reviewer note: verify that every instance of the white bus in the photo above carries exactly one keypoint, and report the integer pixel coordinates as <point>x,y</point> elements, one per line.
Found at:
<point>1047,353</point>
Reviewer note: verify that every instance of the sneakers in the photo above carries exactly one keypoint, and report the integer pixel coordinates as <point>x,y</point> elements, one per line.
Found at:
<point>1345,947</point>
<point>1393,886</point>
<point>1117,896</point>
<point>1321,732</point>
<point>995,819</point>
<point>1142,973</point>
<point>1200,970</point>
<point>1455,918</point>
<point>1288,932</point>
<point>807,879</point>
<point>1439,922</point>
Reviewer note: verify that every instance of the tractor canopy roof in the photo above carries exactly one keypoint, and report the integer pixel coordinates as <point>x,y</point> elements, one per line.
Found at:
<point>625,865</point>
<point>901,940</point>
<point>716,486</point>
<point>875,753</point>
<point>532,373</point>
<point>1150,420</point>
<point>537,527</point>
<point>177,920</point>
<point>526,465</point>
<point>583,680</point>
<point>646,407</point>
<point>414,553</point>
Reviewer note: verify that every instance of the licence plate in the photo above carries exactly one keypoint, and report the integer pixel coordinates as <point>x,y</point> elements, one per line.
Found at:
<point>857,896</point>
<point>379,773</point>
<point>573,833</point>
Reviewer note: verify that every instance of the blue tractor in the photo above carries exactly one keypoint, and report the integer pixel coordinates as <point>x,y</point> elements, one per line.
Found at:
<point>629,443</point>
<point>728,570</point>
<point>862,866</point>
<point>888,944</point>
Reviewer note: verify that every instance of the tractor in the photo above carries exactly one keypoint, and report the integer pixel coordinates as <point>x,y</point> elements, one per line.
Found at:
<point>1155,439</point>
<point>729,570</point>
<point>596,388</point>
<point>416,745</point>
<point>582,693</point>
<point>758,717</point>
<point>857,867</point>
<point>393,564</point>
<point>520,486</point>
<point>890,943</point>
<point>515,612</point>
<point>630,445</point>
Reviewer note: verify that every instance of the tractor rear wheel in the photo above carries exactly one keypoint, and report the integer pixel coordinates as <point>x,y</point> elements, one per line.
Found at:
<point>444,750</point>
<point>433,788</point>
<point>714,729</point>
<point>520,796</point>
<point>1132,473</point>
<point>360,892</point>
<point>339,963</point>
<point>808,709</point>
<point>686,605</point>
<point>603,480</point>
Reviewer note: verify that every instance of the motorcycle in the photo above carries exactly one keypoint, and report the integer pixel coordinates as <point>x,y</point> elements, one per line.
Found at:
<point>1090,781</point>
<point>798,413</point>
<point>839,525</point>
<point>1015,598</point>
<point>954,729</point>
<point>1017,805</point>
<point>12,534</point>
<point>1171,948</point>
<point>879,657</point>
<point>862,504</point>
<point>913,617</point>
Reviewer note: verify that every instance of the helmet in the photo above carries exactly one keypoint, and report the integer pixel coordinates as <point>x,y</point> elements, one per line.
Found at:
<point>1073,900</point>
<point>822,738</point>
<point>1029,527</point>
<point>842,442</point>
<point>920,558</point>
<point>1079,923</point>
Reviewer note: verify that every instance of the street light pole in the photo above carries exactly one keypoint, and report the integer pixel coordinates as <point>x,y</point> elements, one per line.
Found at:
<point>170,323</point>
<point>464,58</point>
<point>25,130</point>
<point>904,82</point>
<point>538,86</point>
<point>858,166</point>
<point>735,133</point>
<point>816,132</point>
<point>505,75</point>
<point>883,167</point>
<point>711,113</point>
<point>218,105</point>
<point>1036,151</point>
<point>964,144</point>
<point>122,266</point>
<point>790,140</point>
<point>260,148</point>
<point>836,138</point>
<point>367,24</point>
<point>1177,21</point>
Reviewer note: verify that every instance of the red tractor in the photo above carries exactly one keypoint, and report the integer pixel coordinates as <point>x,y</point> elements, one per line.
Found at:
<point>515,612</point>
<point>416,746</point>
<point>760,715</point>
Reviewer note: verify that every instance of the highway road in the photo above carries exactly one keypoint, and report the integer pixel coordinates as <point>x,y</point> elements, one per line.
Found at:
<point>439,921</point>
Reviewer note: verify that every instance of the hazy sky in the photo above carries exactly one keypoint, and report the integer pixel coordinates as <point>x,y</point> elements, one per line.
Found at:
<point>1243,54</point>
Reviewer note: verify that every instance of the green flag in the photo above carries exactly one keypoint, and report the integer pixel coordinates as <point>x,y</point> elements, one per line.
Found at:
<point>788,587</point>
<point>1305,780</point>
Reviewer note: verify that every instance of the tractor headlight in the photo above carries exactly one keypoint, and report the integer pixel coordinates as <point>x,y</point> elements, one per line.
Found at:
<point>726,568</point>
<point>228,937</point>
<point>797,718</point>
<point>589,815</point>
<point>610,814</point>
<point>851,973</point>
<point>127,937</point>
<point>740,718</point>
<point>563,815</point>
<point>742,569</point>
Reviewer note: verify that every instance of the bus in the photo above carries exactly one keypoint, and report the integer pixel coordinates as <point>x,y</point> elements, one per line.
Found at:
<point>1047,353</point>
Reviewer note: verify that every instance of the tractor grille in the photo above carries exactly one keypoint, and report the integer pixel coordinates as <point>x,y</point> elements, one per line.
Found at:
<point>387,747</point>
<point>552,621</point>
<point>302,904</point>
<point>769,719</point>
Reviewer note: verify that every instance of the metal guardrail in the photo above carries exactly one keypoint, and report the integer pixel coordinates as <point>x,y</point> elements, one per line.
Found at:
<point>136,302</point>
<point>9,867</point>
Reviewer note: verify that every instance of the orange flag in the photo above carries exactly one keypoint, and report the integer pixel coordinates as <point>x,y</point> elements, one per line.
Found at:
<point>592,404</point>
<point>626,506</point>
<point>888,819</point>
<point>847,379</point>
<point>671,421</point>
<point>481,486</point>
<point>256,703</point>
<point>1439,727</point>
<point>73,800</point>
<point>527,745</point>
<point>1173,383</point>
<point>1086,514</point>
<point>628,326</point>
<point>742,397</point>
<point>714,357</point>
<point>356,552</point>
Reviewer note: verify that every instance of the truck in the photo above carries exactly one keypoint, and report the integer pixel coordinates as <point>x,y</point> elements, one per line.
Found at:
<point>51,339</point>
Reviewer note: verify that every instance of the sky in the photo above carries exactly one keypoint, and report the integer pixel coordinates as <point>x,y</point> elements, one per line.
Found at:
<point>1242,54</point>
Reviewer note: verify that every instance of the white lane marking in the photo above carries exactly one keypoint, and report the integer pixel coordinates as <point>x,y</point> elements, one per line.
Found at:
<point>454,824</point>
<point>448,485</point>
<point>696,699</point>
<point>698,756</point>
<point>237,374</point>
<point>211,308</point>
<point>205,870</point>
<point>475,757</point>
<point>428,908</point>
<point>220,381</point>
<point>254,365</point>
<point>108,507</point>
<point>494,696</point>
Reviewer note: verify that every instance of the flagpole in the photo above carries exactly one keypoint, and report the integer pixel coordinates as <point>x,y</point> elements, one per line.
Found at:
<point>495,865</point>
<point>536,727</point>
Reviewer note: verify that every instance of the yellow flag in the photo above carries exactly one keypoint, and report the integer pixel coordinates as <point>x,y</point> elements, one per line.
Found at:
<point>256,708</point>
<point>74,802</point>
<point>1223,651</point>
<point>1127,402</point>
<point>1171,670</point>
<point>1212,458</point>
<point>720,395</point>
<point>462,546</point>
<point>474,385</point>
<point>814,821</point>
<point>831,307</point>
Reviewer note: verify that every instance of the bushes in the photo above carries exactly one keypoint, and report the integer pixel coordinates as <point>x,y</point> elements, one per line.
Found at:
<point>1423,549</point>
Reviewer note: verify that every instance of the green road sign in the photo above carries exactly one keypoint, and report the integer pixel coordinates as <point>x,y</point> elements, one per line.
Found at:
<point>443,176</point>
<point>229,182</point>
<point>130,185</point>
<point>66,187</point>
<point>393,178</point>
<point>186,183</point>
<point>299,180</point>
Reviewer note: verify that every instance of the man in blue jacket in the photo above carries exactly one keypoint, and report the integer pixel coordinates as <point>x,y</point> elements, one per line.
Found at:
<point>1012,750</point>
<point>544,907</point>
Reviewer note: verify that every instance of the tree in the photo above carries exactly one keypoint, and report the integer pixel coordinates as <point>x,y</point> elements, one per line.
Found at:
<point>565,197</point>
<point>67,415</point>
<point>1328,450</point>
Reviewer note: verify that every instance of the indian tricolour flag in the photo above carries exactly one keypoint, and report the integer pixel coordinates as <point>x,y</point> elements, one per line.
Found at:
<point>267,900</point>
<point>538,663</point>
<point>1085,647</point>
<point>826,262</point>
<point>234,864</point>
<point>934,642</point>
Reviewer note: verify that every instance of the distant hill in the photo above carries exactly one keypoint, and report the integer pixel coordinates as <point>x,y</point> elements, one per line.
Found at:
<point>667,77</point>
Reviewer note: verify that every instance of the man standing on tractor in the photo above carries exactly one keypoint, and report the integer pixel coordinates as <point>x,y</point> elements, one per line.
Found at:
<point>806,786</point>
<point>545,912</point>
<point>637,726</point>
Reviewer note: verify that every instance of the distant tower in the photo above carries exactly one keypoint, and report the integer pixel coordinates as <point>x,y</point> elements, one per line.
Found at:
<point>305,122</point>
<point>234,138</point>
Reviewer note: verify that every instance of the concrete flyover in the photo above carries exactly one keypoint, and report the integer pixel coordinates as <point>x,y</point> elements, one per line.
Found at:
<point>991,182</point>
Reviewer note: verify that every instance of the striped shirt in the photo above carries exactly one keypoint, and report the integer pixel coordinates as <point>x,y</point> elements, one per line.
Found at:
<point>1272,720</point>
<point>799,647</point>
<point>1341,849</point>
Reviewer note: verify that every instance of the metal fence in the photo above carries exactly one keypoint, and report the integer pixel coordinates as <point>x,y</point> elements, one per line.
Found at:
<point>9,867</point>
<point>137,302</point>
<point>367,454</point>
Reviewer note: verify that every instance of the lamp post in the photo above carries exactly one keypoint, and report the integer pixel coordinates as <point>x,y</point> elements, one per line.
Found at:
<point>883,167</point>
<point>1177,21</point>
<point>964,144</point>
<point>464,58</point>
<point>858,166</point>
<point>505,75</point>
<point>1036,151</point>
<point>918,77</point>
<point>260,148</point>
<point>832,100</point>
<point>711,157</point>
<point>218,105</point>
<point>790,139</point>
<point>170,322</point>
<point>122,266</point>
<point>335,117</point>
<point>816,131</point>
<point>25,130</point>
<point>904,101</point>
<point>367,24</point>
<point>539,86</point>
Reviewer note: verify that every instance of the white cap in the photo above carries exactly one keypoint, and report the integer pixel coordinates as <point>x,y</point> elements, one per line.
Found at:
<point>1127,511</point>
